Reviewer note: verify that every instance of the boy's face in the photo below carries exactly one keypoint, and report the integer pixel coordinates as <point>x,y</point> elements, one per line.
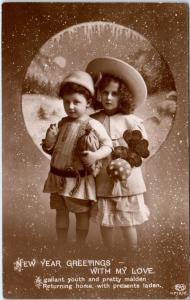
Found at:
<point>110,96</point>
<point>75,105</point>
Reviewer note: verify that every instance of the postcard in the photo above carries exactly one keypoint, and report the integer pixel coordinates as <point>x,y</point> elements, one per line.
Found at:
<point>95,150</point>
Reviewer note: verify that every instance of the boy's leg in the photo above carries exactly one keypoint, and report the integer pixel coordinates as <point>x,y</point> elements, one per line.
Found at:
<point>82,227</point>
<point>62,217</point>
<point>62,225</point>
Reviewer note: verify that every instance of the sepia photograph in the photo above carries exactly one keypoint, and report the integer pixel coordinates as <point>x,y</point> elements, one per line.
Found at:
<point>95,150</point>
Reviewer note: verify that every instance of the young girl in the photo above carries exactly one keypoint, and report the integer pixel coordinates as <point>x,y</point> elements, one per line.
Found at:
<point>70,183</point>
<point>120,89</point>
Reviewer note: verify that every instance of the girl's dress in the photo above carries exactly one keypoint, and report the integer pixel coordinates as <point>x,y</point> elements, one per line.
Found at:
<point>65,158</point>
<point>127,208</point>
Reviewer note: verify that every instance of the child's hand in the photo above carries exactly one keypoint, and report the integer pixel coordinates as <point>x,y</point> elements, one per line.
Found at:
<point>51,135</point>
<point>52,130</point>
<point>88,158</point>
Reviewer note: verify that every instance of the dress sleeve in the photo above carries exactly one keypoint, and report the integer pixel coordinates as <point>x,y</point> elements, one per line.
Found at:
<point>138,125</point>
<point>141,127</point>
<point>101,133</point>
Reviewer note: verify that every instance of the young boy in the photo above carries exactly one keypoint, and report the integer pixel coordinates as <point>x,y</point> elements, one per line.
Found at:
<point>70,183</point>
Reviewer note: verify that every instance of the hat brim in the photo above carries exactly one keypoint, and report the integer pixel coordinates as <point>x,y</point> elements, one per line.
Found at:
<point>123,71</point>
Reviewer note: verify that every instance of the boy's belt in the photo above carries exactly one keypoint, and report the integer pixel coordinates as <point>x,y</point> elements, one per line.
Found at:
<point>68,172</point>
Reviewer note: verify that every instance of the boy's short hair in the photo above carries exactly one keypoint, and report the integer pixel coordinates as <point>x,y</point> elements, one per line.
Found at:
<point>126,101</point>
<point>71,88</point>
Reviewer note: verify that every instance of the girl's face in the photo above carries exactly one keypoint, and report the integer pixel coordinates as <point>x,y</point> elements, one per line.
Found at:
<point>75,105</point>
<point>110,96</point>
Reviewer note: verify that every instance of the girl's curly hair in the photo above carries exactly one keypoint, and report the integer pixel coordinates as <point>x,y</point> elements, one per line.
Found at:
<point>126,100</point>
<point>70,88</point>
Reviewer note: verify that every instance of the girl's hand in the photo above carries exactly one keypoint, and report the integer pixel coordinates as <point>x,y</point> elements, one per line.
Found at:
<point>88,158</point>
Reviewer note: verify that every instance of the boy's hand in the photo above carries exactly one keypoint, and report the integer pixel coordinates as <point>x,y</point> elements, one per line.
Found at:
<point>51,135</point>
<point>52,130</point>
<point>88,158</point>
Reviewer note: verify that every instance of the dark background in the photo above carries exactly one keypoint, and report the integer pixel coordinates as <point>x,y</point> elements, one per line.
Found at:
<point>28,223</point>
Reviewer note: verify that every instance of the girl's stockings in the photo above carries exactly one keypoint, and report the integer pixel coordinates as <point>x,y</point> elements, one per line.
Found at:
<point>130,237</point>
<point>107,236</point>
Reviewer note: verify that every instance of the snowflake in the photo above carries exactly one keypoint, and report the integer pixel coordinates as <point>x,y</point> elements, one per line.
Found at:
<point>38,282</point>
<point>18,265</point>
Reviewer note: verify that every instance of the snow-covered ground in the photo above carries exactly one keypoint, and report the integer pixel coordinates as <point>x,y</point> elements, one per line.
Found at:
<point>35,124</point>
<point>157,125</point>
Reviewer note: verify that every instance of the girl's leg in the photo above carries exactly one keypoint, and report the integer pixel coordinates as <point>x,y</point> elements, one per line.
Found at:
<point>62,225</point>
<point>130,236</point>
<point>82,227</point>
<point>107,236</point>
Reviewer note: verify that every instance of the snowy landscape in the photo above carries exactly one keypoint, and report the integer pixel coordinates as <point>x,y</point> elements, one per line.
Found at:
<point>72,49</point>
<point>40,111</point>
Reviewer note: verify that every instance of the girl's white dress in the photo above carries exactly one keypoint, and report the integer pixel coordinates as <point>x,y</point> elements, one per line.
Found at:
<point>128,208</point>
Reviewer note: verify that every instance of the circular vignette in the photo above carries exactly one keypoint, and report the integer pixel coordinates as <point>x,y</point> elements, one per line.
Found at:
<point>72,49</point>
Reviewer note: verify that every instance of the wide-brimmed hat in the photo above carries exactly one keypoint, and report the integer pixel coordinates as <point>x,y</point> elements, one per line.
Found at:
<point>82,78</point>
<point>122,70</point>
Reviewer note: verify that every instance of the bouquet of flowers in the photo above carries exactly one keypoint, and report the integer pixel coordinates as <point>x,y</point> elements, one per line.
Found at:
<point>136,150</point>
<point>137,147</point>
<point>125,158</point>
